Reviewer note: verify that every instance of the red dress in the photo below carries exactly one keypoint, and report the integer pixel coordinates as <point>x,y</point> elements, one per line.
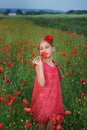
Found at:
<point>47,100</point>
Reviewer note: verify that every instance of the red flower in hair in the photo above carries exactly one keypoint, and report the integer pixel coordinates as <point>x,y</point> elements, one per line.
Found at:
<point>49,38</point>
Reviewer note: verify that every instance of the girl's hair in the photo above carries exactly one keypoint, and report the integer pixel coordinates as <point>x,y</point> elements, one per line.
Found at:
<point>43,40</point>
<point>47,38</point>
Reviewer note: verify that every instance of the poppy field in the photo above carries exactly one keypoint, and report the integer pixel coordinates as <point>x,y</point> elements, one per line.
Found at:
<point>18,47</point>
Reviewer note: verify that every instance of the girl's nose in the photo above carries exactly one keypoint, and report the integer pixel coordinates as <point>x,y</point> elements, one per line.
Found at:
<point>44,50</point>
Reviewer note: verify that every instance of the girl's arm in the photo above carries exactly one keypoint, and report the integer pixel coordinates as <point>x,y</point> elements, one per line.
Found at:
<point>39,70</point>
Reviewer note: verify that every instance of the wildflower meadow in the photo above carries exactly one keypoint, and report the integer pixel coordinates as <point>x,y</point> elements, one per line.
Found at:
<point>18,47</point>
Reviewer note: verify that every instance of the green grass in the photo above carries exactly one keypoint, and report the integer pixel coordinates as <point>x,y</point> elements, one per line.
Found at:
<point>77,23</point>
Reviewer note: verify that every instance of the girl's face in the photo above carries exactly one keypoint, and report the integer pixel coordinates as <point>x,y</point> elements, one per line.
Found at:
<point>47,48</point>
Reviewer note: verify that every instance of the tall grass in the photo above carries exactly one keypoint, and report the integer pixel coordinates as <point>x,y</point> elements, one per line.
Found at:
<point>18,46</point>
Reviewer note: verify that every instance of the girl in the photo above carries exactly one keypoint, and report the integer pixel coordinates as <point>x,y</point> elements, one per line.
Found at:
<point>47,96</point>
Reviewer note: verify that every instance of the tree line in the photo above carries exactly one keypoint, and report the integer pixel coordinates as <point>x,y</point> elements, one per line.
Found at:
<point>21,12</point>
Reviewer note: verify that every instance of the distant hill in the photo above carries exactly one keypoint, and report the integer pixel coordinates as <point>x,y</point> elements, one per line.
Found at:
<point>6,11</point>
<point>76,12</point>
<point>13,10</point>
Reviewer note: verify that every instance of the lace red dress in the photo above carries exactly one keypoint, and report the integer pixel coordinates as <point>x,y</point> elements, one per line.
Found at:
<point>47,100</point>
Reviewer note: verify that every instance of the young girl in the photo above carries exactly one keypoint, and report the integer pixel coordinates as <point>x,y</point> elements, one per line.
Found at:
<point>47,96</point>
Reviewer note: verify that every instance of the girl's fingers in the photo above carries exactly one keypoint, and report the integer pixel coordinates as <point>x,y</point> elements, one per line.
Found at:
<point>37,60</point>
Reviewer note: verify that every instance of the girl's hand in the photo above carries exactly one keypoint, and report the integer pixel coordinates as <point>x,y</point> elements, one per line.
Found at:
<point>37,61</point>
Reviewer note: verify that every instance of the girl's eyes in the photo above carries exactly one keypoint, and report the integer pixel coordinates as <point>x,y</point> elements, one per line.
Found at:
<point>41,48</point>
<point>45,48</point>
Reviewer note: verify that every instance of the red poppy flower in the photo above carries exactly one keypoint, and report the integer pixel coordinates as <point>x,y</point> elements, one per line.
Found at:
<point>9,96</point>
<point>6,59</point>
<point>59,117</point>
<point>81,72</point>
<point>59,127</point>
<point>0,61</point>
<point>17,93</point>
<point>14,63</point>
<point>85,53</point>
<point>23,88</point>
<point>67,112</point>
<point>13,100</point>
<point>3,49</point>
<point>1,99</point>
<point>20,58</point>
<point>8,103</point>
<point>8,54</point>
<point>1,126</point>
<point>27,109</point>
<point>9,63</point>
<point>53,119</point>
<point>85,46</point>
<point>43,54</point>
<point>83,94</point>
<point>74,52</point>
<point>70,73</point>
<point>1,68</point>
<point>8,80</point>
<point>33,54</point>
<point>27,124</point>
<point>26,103</point>
<point>83,80</point>
<point>24,81</point>
<point>49,38</point>
<point>22,51</point>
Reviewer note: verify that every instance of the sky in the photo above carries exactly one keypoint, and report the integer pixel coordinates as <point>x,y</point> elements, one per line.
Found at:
<point>63,5</point>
